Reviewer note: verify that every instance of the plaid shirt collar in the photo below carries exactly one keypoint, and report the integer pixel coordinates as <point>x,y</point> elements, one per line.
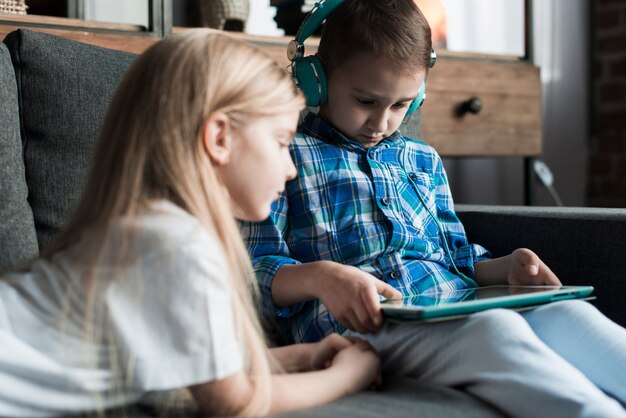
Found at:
<point>313,125</point>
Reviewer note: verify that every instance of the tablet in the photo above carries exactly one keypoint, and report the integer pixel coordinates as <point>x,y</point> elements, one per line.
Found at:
<point>460,303</point>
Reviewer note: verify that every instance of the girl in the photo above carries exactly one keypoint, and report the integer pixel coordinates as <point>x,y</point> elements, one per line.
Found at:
<point>146,290</point>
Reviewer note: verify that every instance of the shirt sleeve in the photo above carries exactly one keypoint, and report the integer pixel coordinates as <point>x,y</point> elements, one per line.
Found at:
<point>464,254</point>
<point>171,314</point>
<point>269,252</point>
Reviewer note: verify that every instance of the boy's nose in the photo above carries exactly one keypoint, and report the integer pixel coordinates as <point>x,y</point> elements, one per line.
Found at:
<point>378,121</point>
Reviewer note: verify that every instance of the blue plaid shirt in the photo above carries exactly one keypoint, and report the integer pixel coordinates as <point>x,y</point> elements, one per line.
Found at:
<point>370,208</point>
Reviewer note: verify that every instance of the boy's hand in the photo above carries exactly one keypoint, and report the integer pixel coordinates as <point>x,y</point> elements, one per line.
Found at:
<point>527,269</point>
<point>351,296</point>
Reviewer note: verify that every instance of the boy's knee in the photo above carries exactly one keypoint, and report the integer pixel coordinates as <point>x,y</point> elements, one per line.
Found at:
<point>568,309</point>
<point>498,325</point>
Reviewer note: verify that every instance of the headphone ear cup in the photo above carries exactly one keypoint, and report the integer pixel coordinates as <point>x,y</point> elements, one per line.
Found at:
<point>419,100</point>
<point>311,78</point>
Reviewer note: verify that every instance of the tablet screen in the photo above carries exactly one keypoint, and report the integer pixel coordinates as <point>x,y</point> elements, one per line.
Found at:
<point>440,298</point>
<point>439,304</point>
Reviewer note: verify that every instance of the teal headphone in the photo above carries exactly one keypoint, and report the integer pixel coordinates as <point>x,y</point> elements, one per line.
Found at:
<point>309,71</point>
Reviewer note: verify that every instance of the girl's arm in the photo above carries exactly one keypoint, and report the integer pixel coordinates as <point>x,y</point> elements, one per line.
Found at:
<point>352,369</point>
<point>294,358</point>
<point>313,356</point>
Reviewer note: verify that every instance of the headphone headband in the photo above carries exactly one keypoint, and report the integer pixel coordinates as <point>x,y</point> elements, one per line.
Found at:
<point>314,19</point>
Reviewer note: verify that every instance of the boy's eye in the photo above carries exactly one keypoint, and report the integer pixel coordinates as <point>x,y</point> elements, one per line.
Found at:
<point>364,102</point>
<point>400,105</point>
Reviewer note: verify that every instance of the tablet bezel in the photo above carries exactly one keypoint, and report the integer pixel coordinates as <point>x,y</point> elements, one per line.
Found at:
<point>392,309</point>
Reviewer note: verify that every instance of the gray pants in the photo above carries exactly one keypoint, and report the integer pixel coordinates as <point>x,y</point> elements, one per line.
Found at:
<point>559,360</point>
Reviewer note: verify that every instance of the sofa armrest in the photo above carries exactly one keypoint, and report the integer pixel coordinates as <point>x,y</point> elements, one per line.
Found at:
<point>583,246</point>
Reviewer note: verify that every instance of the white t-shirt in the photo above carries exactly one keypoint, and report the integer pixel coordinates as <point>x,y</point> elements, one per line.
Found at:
<point>165,323</point>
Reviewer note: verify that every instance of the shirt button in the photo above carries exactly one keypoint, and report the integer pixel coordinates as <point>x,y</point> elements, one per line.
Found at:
<point>394,275</point>
<point>385,201</point>
<point>413,176</point>
<point>371,153</point>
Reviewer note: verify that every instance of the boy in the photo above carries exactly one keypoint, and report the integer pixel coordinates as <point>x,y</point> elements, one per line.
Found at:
<point>370,214</point>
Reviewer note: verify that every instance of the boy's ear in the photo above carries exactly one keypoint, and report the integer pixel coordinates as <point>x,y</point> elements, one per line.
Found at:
<point>216,138</point>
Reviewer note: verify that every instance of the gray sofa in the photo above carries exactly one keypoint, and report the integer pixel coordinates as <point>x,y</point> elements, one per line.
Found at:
<point>53,95</point>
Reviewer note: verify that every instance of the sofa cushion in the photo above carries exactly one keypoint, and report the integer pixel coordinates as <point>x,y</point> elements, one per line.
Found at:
<point>403,397</point>
<point>582,246</point>
<point>18,240</point>
<point>64,88</point>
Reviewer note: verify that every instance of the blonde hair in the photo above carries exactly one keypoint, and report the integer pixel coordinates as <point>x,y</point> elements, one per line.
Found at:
<point>150,148</point>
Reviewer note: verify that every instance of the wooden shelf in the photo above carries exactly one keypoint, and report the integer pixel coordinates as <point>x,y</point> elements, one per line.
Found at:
<point>64,22</point>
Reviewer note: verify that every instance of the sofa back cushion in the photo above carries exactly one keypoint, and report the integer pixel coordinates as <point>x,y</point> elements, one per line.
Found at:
<point>18,241</point>
<point>64,88</point>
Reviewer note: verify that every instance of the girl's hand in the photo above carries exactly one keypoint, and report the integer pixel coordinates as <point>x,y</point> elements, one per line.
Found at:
<point>526,268</point>
<point>323,352</point>
<point>351,296</point>
<point>359,365</point>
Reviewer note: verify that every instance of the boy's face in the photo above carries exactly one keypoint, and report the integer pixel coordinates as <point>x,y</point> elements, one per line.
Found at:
<point>368,98</point>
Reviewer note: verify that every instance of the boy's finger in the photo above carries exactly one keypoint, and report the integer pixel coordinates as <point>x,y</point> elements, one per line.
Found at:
<point>355,324</point>
<point>532,270</point>
<point>387,290</point>
<point>550,278</point>
<point>373,318</point>
<point>527,261</point>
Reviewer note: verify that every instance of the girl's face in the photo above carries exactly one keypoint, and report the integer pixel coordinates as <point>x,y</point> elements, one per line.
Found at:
<point>259,165</point>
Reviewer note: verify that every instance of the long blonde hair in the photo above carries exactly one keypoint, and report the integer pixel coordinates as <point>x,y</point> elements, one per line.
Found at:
<point>150,148</point>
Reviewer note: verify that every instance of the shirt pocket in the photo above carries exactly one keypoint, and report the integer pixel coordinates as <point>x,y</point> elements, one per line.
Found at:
<point>424,185</point>
<point>416,195</point>
<point>414,188</point>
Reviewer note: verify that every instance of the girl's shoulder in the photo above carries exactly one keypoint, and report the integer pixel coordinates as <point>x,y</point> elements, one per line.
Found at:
<point>168,221</point>
<point>163,229</point>
<point>163,243</point>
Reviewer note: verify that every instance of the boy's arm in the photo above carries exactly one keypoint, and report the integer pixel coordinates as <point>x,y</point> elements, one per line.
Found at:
<point>269,252</point>
<point>521,267</point>
<point>464,254</point>
<point>351,295</point>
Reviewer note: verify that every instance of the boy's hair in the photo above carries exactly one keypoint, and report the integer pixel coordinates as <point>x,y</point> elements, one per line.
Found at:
<point>395,30</point>
<point>151,147</point>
